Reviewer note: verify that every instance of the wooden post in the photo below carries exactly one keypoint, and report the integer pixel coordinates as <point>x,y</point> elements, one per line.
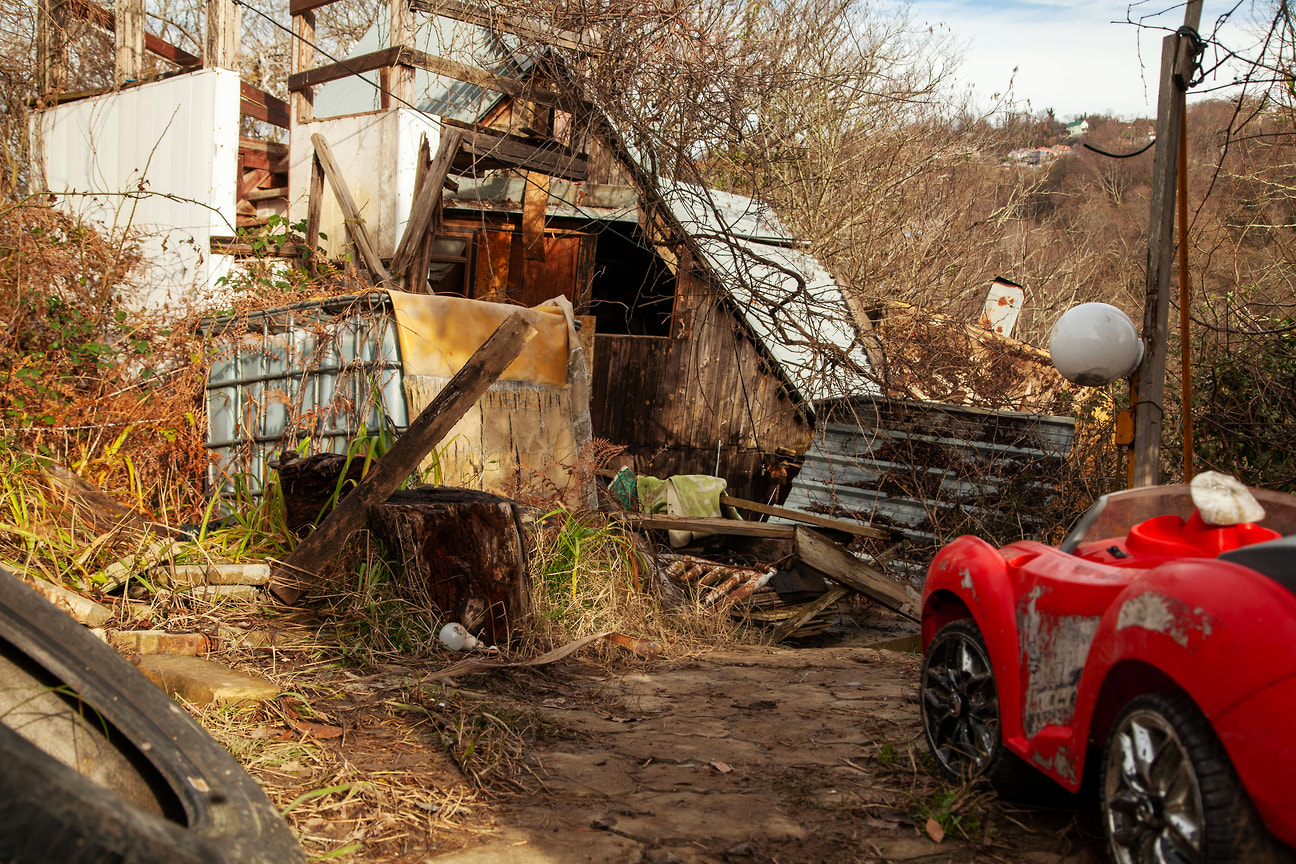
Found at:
<point>400,81</point>
<point>363,243</point>
<point>224,26</point>
<point>1176,69</point>
<point>535,202</point>
<point>427,430</point>
<point>51,46</point>
<point>303,60</point>
<point>128,39</point>
<point>314,201</point>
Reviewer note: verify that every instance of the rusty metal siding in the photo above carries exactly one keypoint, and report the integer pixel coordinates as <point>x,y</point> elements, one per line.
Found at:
<point>931,471</point>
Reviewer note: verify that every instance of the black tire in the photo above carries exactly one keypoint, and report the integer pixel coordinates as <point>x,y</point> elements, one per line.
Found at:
<point>960,712</point>
<point>1170,794</point>
<point>172,793</point>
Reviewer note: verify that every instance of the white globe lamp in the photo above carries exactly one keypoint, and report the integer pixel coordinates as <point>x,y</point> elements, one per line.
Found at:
<point>1094,344</point>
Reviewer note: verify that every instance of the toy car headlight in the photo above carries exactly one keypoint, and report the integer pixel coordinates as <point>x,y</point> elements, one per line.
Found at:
<point>1094,344</point>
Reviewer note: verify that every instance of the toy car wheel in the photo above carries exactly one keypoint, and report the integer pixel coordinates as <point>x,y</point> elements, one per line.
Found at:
<point>1169,791</point>
<point>960,708</point>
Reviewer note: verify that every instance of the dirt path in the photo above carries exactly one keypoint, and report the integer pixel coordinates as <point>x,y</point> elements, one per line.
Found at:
<point>753,754</point>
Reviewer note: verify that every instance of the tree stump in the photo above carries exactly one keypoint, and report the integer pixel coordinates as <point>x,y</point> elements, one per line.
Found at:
<point>461,550</point>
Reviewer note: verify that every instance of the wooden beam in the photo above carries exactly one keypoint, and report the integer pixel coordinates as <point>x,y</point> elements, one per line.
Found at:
<point>128,40</point>
<point>405,56</point>
<point>303,60</point>
<point>400,79</point>
<point>415,279</point>
<point>837,564</point>
<point>310,76</point>
<point>260,105</point>
<point>1176,69</point>
<point>539,31</point>
<point>368,252</point>
<point>222,29</point>
<point>808,518</point>
<point>427,430</point>
<point>535,201</point>
<point>304,7</point>
<point>473,75</point>
<point>734,527</point>
<point>425,204</point>
<point>513,154</point>
<point>314,202</point>
<point>807,612</point>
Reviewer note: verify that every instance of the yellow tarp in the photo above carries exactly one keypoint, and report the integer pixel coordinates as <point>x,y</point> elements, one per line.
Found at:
<point>438,335</point>
<point>525,433</point>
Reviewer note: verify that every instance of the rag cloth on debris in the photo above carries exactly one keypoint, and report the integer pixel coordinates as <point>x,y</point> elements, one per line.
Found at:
<point>683,495</point>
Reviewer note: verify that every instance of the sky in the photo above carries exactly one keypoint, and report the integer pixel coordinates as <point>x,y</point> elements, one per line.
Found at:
<point>1067,53</point>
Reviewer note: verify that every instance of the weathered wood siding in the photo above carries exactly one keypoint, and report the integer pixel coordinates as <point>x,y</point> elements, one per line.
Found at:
<point>672,400</point>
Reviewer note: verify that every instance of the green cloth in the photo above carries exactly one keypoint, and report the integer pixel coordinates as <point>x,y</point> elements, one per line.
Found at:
<point>682,495</point>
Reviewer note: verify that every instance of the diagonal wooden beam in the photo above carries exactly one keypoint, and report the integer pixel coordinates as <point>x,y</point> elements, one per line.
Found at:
<point>426,203</point>
<point>354,222</point>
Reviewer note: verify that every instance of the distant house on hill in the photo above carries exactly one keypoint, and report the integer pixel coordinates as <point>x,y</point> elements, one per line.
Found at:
<point>1078,128</point>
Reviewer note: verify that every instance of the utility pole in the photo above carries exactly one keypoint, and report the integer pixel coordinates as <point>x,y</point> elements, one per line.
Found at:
<point>1178,58</point>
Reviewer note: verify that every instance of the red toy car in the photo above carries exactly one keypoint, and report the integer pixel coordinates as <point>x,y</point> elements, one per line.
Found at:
<point>1151,647</point>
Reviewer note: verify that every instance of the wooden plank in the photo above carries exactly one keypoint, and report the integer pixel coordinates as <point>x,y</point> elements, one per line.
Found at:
<point>267,194</point>
<point>808,518</point>
<point>806,613</point>
<point>314,202</point>
<point>474,75</point>
<point>535,201</point>
<point>128,40</point>
<point>734,527</point>
<point>221,42</point>
<point>237,247</point>
<point>415,281</point>
<point>354,222</point>
<point>260,105</point>
<point>427,430</point>
<point>425,204</point>
<point>837,564</point>
<point>473,14</point>
<point>334,71</point>
<point>553,160</point>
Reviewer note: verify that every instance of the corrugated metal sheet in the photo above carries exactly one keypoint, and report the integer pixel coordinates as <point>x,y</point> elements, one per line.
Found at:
<point>314,371</point>
<point>792,305</point>
<point>932,471</point>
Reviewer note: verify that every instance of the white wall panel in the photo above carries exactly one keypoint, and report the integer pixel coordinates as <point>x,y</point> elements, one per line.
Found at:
<point>160,161</point>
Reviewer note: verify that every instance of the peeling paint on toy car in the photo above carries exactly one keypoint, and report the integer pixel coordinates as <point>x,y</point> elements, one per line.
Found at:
<point>1060,764</point>
<point>1053,653</point>
<point>1189,627</point>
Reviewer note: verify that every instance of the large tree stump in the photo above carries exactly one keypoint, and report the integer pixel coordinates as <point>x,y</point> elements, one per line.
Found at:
<point>462,551</point>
